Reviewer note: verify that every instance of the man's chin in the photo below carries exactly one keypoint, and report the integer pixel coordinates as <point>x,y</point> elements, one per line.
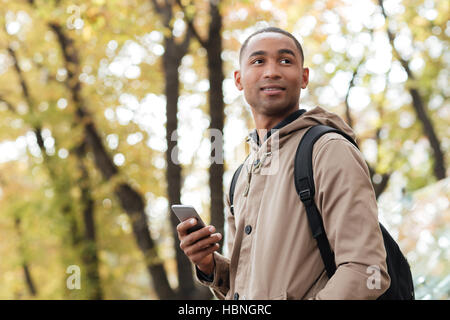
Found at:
<point>275,109</point>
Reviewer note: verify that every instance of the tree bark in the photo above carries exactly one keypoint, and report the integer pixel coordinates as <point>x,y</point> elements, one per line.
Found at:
<point>89,253</point>
<point>25,265</point>
<point>171,62</point>
<point>216,110</point>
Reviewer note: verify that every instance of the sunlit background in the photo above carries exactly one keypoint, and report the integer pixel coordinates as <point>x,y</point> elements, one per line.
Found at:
<point>354,69</point>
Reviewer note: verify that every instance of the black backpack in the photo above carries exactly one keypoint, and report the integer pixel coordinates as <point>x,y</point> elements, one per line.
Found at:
<point>401,287</point>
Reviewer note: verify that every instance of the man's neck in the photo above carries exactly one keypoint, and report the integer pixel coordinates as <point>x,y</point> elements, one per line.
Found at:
<point>264,123</point>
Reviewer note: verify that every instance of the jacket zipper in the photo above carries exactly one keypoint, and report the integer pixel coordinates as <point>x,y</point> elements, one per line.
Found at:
<point>254,166</point>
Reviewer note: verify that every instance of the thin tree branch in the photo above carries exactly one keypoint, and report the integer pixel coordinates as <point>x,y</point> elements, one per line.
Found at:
<point>183,47</point>
<point>350,86</point>
<point>420,108</point>
<point>9,105</point>
<point>22,81</point>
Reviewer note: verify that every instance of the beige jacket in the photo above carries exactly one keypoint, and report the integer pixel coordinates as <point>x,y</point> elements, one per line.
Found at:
<point>272,254</point>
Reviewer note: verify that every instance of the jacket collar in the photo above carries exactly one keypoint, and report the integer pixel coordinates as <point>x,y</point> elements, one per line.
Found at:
<point>296,121</point>
<point>291,117</point>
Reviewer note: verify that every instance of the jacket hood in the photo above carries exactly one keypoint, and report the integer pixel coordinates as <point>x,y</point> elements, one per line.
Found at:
<point>308,119</point>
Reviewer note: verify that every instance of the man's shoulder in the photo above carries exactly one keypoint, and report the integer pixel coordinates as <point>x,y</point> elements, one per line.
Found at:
<point>340,143</point>
<point>329,137</point>
<point>322,141</point>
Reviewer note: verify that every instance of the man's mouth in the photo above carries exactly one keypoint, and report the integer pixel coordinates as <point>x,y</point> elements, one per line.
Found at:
<point>271,90</point>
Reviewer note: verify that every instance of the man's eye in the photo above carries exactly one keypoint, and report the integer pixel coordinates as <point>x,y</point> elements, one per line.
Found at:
<point>257,61</point>
<point>285,61</point>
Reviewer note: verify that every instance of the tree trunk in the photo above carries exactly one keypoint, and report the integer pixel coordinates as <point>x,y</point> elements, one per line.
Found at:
<point>216,110</point>
<point>25,266</point>
<point>89,250</point>
<point>428,128</point>
<point>213,46</point>
<point>29,279</point>
<point>171,61</point>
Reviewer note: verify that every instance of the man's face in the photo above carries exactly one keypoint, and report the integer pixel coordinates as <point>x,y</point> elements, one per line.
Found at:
<point>271,74</point>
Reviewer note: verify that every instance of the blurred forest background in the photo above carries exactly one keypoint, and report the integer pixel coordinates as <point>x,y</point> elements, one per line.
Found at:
<point>91,93</point>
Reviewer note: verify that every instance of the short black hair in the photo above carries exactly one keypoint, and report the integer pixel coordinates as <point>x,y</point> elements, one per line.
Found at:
<point>271,29</point>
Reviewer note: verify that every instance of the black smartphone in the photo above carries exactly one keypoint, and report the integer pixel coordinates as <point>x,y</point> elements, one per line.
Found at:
<point>184,212</point>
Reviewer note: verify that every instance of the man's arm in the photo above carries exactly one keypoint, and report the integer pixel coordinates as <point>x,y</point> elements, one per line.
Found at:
<point>199,246</point>
<point>346,200</point>
<point>219,280</point>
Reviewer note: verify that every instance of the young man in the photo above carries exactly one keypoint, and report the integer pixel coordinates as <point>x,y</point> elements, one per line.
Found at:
<point>272,254</point>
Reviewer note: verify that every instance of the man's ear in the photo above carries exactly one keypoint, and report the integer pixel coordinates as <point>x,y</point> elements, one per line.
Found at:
<point>237,80</point>
<point>305,78</point>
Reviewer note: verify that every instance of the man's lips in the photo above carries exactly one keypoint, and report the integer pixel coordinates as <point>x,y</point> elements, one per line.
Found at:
<point>272,90</point>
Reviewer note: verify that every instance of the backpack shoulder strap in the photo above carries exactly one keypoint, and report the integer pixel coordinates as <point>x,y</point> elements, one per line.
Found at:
<point>233,185</point>
<point>304,185</point>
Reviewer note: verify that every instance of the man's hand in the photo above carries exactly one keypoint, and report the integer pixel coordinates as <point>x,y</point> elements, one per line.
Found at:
<point>199,246</point>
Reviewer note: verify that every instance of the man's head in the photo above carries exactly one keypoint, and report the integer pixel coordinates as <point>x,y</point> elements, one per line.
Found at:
<point>271,72</point>
<point>271,29</point>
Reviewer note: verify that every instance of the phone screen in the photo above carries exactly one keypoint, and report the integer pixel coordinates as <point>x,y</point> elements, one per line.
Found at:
<point>184,212</point>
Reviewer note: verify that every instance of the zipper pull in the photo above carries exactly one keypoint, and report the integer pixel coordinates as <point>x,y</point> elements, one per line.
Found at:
<point>257,164</point>
<point>247,187</point>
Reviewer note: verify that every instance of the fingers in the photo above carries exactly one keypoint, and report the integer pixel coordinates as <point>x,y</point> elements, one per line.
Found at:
<point>184,226</point>
<point>198,257</point>
<point>189,239</point>
<point>198,245</point>
<point>203,244</point>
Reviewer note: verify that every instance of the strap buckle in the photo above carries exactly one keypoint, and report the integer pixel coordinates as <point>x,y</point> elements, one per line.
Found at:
<point>305,195</point>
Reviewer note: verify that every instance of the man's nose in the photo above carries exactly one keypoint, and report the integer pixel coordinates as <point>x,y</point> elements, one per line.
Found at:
<point>271,71</point>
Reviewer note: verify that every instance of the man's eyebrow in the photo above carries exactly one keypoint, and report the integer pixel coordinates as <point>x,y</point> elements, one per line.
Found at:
<point>263,53</point>
<point>288,51</point>
<point>258,53</point>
